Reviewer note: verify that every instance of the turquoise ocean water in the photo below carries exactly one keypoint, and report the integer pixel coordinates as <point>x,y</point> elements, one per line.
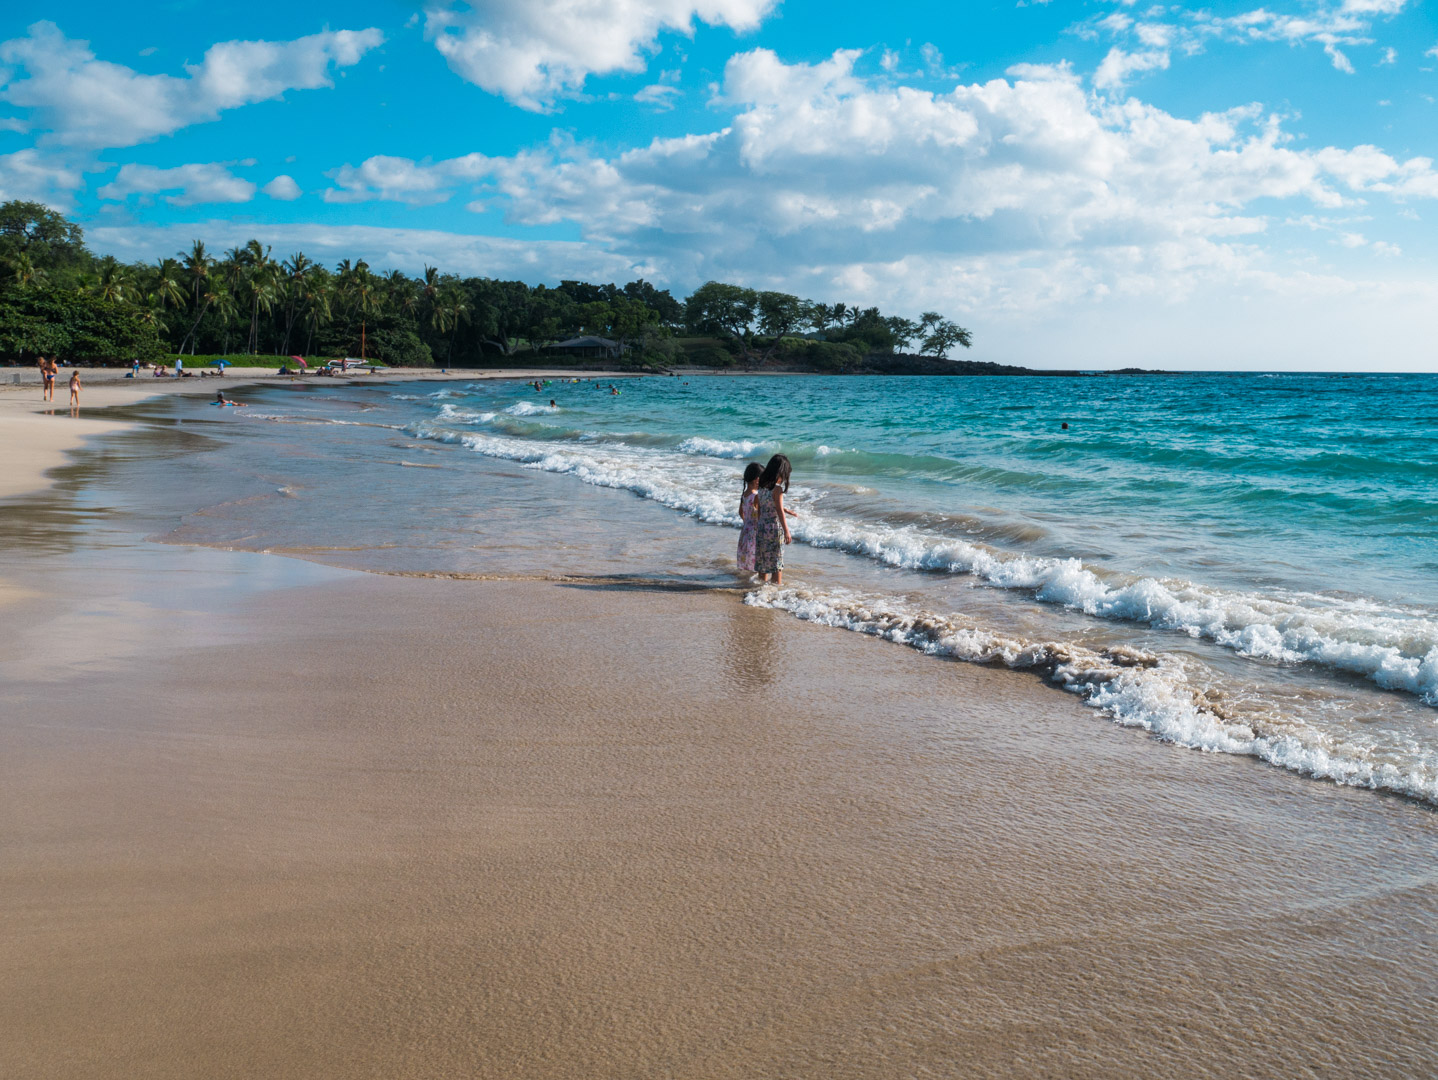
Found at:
<point>1245,564</point>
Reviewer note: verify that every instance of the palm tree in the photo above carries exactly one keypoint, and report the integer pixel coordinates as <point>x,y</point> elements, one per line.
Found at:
<point>26,272</point>
<point>291,289</point>
<point>151,314</point>
<point>402,294</point>
<point>168,290</point>
<point>259,287</point>
<point>115,282</point>
<point>197,264</point>
<point>361,288</point>
<point>203,306</point>
<point>431,285</point>
<point>451,309</point>
<point>317,293</point>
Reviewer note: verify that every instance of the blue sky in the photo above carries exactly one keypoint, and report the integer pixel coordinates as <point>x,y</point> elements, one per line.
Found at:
<point>1079,183</point>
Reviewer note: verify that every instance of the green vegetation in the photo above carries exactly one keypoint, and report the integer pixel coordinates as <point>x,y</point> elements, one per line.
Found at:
<point>57,298</point>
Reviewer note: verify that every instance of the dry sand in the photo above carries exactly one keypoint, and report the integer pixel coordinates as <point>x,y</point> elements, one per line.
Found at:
<point>363,826</point>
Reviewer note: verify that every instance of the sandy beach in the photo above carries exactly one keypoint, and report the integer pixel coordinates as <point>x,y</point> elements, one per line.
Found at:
<point>263,817</point>
<point>33,447</point>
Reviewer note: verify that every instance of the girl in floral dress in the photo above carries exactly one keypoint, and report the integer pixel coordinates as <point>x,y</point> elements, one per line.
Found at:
<point>749,515</point>
<point>773,531</point>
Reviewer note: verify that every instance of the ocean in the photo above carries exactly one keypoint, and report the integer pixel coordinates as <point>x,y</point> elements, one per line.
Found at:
<point>1243,564</point>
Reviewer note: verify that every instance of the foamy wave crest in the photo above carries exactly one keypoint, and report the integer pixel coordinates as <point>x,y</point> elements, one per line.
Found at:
<point>719,448</point>
<point>1396,650</point>
<point>526,408</point>
<point>709,493</point>
<point>826,451</point>
<point>453,414</point>
<point>1135,688</point>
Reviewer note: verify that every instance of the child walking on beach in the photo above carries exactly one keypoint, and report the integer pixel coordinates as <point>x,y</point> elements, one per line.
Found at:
<point>773,525</point>
<point>749,515</point>
<point>75,389</point>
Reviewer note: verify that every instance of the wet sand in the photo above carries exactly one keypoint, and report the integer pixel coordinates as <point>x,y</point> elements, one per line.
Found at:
<point>265,818</point>
<point>36,435</point>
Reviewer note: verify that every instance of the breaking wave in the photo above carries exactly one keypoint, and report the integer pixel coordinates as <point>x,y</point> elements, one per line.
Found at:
<point>1396,650</point>
<point>1134,687</point>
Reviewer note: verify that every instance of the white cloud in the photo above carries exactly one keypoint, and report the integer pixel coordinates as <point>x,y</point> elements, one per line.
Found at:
<point>409,250</point>
<point>1375,7</point>
<point>1022,199</point>
<point>1118,65</point>
<point>283,188</point>
<point>403,180</point>
<point>659,95</point>
<point>1349,24</point>
<point>534,51</point>
<point>33,176</point>
<point>81,101</point>
<point>193,184</point>
<point>823,170</point>
<point>1390,56</point>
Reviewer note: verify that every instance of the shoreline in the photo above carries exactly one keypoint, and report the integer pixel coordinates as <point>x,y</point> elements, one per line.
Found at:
<point>480,839</point>
<point>35,442</point>
<point>262,816</point>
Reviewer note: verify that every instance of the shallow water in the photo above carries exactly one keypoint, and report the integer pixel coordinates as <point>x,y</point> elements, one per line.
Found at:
<point>1238,563</point>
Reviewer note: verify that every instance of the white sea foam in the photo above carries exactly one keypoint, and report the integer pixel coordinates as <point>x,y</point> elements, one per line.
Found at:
<point>825,451</point>
<point>454,414</point>
<point>1137,689</point>
<point>527,408</point>
<point>720,448</point>
<point>1394,648</point>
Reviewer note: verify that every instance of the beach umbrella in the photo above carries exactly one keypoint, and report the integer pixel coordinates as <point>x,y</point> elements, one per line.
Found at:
<point>299,360</point>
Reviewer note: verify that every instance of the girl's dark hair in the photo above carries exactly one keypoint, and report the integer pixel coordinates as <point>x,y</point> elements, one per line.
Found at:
<point>776,472</point>
<point>751,473</point>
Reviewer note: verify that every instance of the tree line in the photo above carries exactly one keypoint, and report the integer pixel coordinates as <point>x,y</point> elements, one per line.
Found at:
<point>58,298</point>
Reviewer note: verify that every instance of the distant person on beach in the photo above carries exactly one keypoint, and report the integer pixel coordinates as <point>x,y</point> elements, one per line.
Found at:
<point>749,515</point>
<point>47,376</point>
<point>179,367</point>
<point>773,525</point>
<point>135,370</point>
<point>75,389</point>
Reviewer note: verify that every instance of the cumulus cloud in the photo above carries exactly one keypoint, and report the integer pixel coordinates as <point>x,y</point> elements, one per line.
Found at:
<point>1012,196</point>
<point>531,52</point>
<point>34,176</point>
<point>192,184</point>
<point>81,101</point>
<point>283,188</point>
<point>403,180</point>
<point>409,250</point>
